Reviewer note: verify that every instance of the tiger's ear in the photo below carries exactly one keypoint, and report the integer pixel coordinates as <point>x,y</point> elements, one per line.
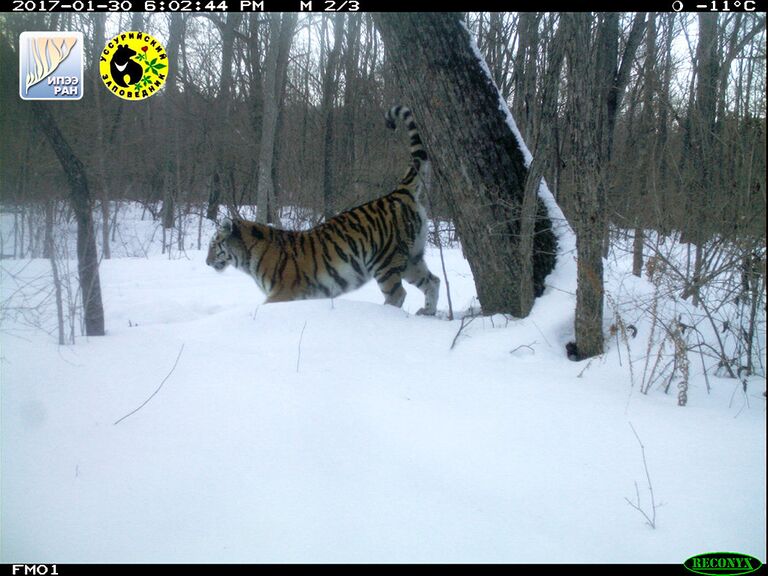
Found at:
<point>226,227</point>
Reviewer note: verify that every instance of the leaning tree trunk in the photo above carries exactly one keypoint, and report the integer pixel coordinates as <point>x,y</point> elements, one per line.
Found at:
<point>478,164</point>
<point>80,199</point>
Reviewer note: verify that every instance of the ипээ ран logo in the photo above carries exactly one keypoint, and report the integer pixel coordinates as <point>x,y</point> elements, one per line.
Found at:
<point>133,65</point>
<point>720,563</point>
<point>51,65</point>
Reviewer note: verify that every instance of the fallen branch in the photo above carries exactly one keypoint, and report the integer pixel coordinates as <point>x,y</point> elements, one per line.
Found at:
<point>155,392</point>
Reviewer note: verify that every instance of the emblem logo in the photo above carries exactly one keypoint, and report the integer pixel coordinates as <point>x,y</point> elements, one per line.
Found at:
<point>51,65</point>
<point>133,65</point>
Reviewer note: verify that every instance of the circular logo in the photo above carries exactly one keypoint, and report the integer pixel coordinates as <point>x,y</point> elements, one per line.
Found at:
<point>133,65</point>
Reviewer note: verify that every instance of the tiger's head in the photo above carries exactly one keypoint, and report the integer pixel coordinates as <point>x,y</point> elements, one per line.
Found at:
<point>224,248</point>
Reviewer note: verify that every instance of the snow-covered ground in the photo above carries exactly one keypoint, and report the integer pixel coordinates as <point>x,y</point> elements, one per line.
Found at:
<point>350,431</point>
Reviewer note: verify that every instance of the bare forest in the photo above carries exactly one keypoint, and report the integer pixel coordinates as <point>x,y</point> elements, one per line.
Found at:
<point>649,130</point>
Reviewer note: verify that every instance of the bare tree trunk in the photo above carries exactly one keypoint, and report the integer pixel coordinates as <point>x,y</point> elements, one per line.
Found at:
<point>647,163</point>
<point>586,101</point>
<point>351,98</point>
<point>545,117</point>
<point>277,57</point>
<point>98,93</point>
<point>596,84</point>
<point>50,253</point>
<point>525,101</point>
<point>48,236</point>
<point>588,189</point>
<point>222,173</point>
<point>80,199</point>
<point>287,31</point>
<point>702,141</point>
<point>255,86</point>
<point>265,187</point>
<point>496,40</point>
<point>170,176</point>
<point>329,96</point>
<point>478,164</point>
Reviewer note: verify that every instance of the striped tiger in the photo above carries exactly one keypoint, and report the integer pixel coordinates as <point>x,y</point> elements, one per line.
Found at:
<point>382,239</point>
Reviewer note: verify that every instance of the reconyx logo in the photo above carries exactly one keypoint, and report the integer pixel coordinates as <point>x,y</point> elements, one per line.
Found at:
<point>133,65</point>
<point>718,563</point>
<point>51,65</point>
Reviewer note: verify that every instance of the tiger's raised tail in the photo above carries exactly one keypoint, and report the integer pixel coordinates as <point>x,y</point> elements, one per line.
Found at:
<point>419,157</point>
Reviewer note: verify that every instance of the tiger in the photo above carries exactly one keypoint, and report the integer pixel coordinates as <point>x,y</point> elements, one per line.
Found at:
<point>383,239</point>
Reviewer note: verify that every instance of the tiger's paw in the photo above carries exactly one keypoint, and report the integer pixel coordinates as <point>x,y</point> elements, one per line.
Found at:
<point>425,312</point>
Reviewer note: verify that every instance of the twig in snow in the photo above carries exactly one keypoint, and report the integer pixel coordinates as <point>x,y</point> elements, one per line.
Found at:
<point>651,520</point>
<point>589,363</point>
<point>741,385</point>
<point>155,392</point>
<point>465,321</point>
<point>301,336</point>
<point>529,346</point>
<point>540,332</point>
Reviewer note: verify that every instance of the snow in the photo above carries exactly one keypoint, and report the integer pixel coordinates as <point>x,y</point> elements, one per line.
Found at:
<point>349,431</point>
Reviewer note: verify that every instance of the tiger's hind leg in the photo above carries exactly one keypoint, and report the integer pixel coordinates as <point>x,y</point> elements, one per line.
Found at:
<point>419,275</point>
<point>392,288</point>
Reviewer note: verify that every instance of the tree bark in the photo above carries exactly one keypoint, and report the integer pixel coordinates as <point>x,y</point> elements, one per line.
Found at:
<point>587,101</point>
<point>588,193</point>
<point>477,161</point>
